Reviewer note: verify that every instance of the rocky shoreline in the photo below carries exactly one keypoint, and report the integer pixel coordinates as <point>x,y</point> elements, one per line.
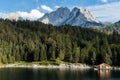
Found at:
<point>61,66</point>
<point>116,68</point>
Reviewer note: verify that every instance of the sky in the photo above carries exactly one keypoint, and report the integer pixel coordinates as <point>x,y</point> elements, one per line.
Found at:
<point>104,10</point>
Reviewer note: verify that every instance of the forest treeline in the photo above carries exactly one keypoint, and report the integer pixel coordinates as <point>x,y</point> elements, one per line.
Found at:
<point>34,41</point>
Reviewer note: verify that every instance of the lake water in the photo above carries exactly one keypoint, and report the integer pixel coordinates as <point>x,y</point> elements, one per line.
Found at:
<point>57,74</point>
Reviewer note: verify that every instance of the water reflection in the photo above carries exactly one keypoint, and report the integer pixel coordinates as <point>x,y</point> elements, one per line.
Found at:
<point>57,74</point>
<point>104,74</point>
<point>47,74</point>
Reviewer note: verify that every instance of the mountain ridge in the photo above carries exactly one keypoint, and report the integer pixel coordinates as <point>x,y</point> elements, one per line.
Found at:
<point>76,17</point>
<point>113,27</point>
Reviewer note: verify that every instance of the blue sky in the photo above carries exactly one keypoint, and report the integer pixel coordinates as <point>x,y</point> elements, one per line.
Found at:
<point>102,9</point>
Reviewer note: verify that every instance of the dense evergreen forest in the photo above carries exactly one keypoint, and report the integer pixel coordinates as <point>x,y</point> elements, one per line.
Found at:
<point>34,41</point>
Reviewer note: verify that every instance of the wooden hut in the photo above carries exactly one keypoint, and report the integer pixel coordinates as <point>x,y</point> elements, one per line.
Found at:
<point>103,66</point>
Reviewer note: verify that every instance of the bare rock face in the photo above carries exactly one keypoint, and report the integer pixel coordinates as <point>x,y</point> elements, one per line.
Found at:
<point>88,15</point>
<point>56,17</point>
<point>77,17</point>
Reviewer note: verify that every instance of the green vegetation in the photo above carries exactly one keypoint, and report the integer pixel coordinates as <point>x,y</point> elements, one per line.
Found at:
<point>113,27</point>
<point>32,41</point>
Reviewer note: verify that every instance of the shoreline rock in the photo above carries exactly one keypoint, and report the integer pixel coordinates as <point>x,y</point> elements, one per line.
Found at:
<point>116,68</point>
<point>61,66</point>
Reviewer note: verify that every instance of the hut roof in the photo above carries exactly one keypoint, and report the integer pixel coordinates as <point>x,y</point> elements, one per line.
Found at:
<point>104,64</point>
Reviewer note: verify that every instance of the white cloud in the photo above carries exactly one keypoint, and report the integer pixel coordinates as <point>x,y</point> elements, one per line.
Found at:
<point>33,15</point>
<point>106,12</point>
<point>57,7</point>
<point>3,15</point>
<point>44,7</point>
<point>12,16</point>
<point>104,1</point>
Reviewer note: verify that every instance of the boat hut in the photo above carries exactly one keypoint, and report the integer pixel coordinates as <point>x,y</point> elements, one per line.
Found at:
<point>103,66</point>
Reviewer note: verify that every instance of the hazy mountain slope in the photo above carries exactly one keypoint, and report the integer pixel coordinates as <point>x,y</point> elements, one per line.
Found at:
<point>113,27</point>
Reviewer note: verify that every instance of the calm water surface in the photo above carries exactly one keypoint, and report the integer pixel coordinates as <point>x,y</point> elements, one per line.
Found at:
<point>57,74</point>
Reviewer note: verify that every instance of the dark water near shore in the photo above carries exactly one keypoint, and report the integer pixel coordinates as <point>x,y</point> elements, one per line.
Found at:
<point>57,74</point>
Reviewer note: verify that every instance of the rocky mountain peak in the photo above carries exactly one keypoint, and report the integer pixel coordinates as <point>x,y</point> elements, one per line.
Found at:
<point>76,17</point>
<point>88,15</point>
<point>75,9</point>
<point>63,9</point>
